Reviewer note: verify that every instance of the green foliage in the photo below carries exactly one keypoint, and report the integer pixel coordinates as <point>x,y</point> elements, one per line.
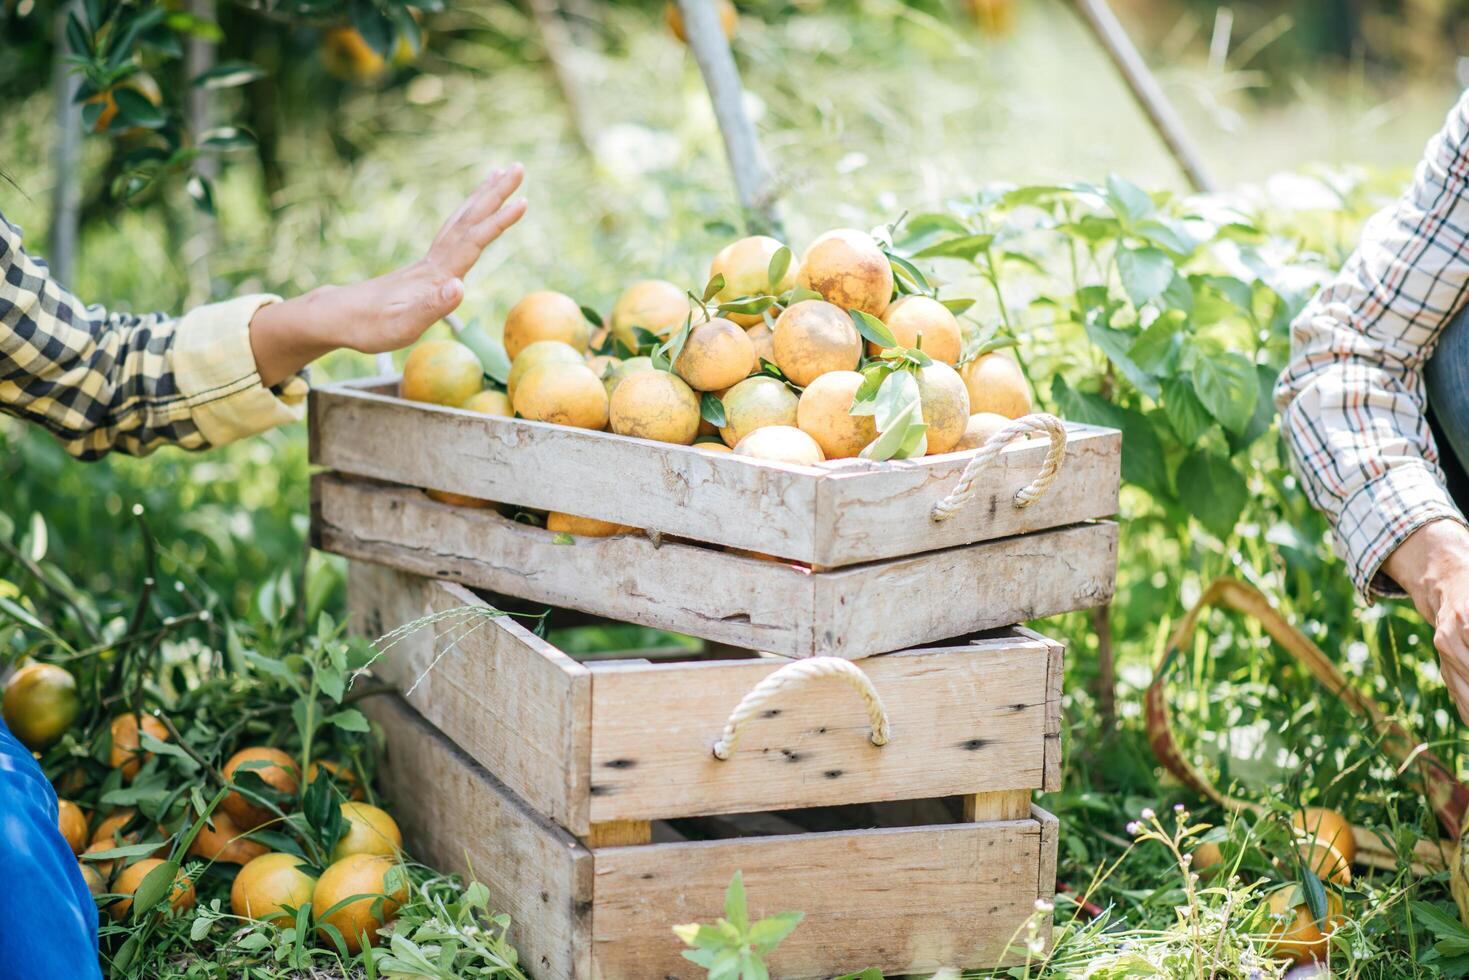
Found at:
<point>734,948</point>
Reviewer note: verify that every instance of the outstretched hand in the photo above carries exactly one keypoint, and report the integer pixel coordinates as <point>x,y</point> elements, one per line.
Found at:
<point>393,310</point>
<point>1432,566</point>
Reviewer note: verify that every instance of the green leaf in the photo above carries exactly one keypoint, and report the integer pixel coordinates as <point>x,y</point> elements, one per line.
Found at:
<point>1145,273</point>
<point>1228,386</point>
<point>713,287</point>
<point>1155,350</point>
<point>734,902</point>
<point>154,888</point>
<point>491,352</point>
<point>375,28</point>
<point>349,720</point>
<point>1443,924</point>
<point>711,409</point>
<point>905,270</point>
<point>780,263</point>
<point>957,306</point>
<point>227,74</point>
<point>1179,295</point>
<point>1118,346</point>
<point>768,933</point>
<point>1213,490</point>
<point>901,434</point>
<point>134,110</point>
<point>964,247</point>
<point>1165,234</point>
<point>562,537</point>
<point>872,328</point>
<point>126,851</point>
<point>1264,416</point>
<point>593,317</point>
<point>226,138</point>
<point>1186,415</point>
<point>669,351</point>
<point>1128,201</point>
<point>747,305</point>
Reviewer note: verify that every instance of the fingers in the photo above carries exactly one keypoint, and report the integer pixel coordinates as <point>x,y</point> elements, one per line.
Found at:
<point>492,194</point>
<point>492,227</point>
<point>1451,638</point>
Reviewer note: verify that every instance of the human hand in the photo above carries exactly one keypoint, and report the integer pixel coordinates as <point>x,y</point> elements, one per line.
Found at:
<point>393,310</point>
<point>1432,566</point>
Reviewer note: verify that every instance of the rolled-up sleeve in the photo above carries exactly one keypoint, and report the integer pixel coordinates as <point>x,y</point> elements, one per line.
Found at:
<point>1352,398</point>
<point>103,381</point>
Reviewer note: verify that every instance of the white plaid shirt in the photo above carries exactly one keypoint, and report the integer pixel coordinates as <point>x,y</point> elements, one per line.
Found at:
<point>1352,397</point>
<point>101,381</point>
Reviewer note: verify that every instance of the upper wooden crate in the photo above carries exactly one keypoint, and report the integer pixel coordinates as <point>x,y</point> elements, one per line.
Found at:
<point>837,513</point>
<point>631,739</point>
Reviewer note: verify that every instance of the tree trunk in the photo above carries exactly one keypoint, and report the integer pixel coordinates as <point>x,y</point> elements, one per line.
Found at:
<point>66,196</point>
<point>199,56</point>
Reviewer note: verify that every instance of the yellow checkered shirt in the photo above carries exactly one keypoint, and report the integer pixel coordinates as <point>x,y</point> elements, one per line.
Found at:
<point>105,381</point>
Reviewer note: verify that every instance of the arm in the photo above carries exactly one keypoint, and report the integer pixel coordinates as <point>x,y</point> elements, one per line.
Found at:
<point>102,381</point>
<point>1352,398</point>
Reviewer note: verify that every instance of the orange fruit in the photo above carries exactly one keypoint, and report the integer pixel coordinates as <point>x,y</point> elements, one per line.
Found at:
<point>369,831</point>
<point>109,831</point>
<point>279,772</point>
<point>563,394</point>
<point>716,354</point>
<point>812,338</point>
<point>72,823</point>
<point>382,885</point>
<point>780,444</point>
<point>945,403</point>
<point>489,402</point>
<point>536,354</point>
<point>655,405</point>
<point>93,878</point>
<point>1294,934</point>
<point>441,372</point>
<point>106,866</point>
<point>347,55</point>
<point>755,402</point>
<point>923,322</point>
<point>343,777</point>
<point>824,413</point>
<point>996,384</point>
<point>713,447</point>
<point>656,305</point>
<point>1326,843</point>
<point>729,19</point>
<point>764,340</point>
<point>40,704</point>
<point>180,897</point>
<point>268,884</point>
<point>545,315</point>
<point>586,527</point>
<point>224,842</point>
<point>979,428</point>
<point>745,266</point>
<point>849,270</point>
<point>127,753</point>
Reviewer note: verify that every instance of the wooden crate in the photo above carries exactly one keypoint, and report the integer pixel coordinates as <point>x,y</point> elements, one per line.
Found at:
<point>601,743</point>
<point>830,515</point>
<point>776,607</point>
<point>906,899</point>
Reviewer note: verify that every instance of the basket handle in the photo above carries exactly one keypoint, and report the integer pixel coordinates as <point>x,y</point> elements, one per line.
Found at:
<point>1027,425</point>
<point>793,673</point>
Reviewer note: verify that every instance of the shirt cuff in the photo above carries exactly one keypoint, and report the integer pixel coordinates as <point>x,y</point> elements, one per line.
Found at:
<point>1382,514</point>
<point>214,368</point>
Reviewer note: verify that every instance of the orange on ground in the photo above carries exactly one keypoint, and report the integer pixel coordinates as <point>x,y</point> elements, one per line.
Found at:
<point>655,405</point>
<point>945,405</point>
<point>912,319</point>
<point>745,265</point>
<point>729,19</point>
<point>764,340</point>
<point>268,884</point>
<point>369,830</point>
<point>1207,856</point>
<point>360,874</point>
<point>224,842</point>
<point>1326,842</point>
<point>716,354</point>
<point>105,866</point>
<point>72,823</point>
<point>441,372</point>
<point>824,413</point>
<point>343,777</point>
<point>979,428</point>
<point>656,305</point>
<point>849,270</point>
<point>279,772</point>
<point>536,354</point>
<point>181,896</point>
<point>996,384</point>
<point>586,527</point>
<point>812,338</point>
<point>127,753</point>
<point>1294,934</point>
<point>93,878</point>
<point>563,394</point>
<point>109,830</point>
<point>756,402</point>
<point>40,704</point>
<point>780,444</point>
<point>545,315</point>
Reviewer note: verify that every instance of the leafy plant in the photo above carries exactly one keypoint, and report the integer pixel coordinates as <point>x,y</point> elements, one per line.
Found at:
<point>734,948</point>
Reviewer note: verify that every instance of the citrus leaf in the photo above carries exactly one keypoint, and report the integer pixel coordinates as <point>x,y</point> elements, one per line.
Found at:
<point>134,109</point>
<point>873,329</point>
<point>780,263</point>
<point>491,352</point>
<point>905,270</point>
<point>711,409</point>
<point>891,441</point>
<point>963,247</point>
<point>957,306</point>
<point>154,887</point>
<point>593,317</point>
<point>227,74</point>
<point>713,287</point>
<point>748,305</point>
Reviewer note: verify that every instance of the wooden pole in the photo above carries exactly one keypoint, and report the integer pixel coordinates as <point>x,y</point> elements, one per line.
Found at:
<point>558,45</point>
<point>199,57</point>
<point>722,77</point>
<point>66,197</point>
<point>1110,33</point>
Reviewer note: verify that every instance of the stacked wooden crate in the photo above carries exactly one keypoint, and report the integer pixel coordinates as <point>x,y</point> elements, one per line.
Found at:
<point>859,732</point>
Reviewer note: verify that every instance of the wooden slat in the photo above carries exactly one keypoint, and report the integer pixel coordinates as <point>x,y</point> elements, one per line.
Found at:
<point>620,833</point>
<point>831,515</point>
<point>964,719</point>
<point>760,605</point>
<point>906,901</point>
<point>1005,804</point>
<point>1052,782</point>
<point>516,704</point>
<point>459,818</point>
<point>1046,878</point>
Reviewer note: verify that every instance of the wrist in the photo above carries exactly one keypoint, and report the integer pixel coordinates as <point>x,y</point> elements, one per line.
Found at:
<point>1431,562</point>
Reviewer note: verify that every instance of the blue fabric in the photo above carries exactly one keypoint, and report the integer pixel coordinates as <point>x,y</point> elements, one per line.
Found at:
<point>1446,378</point>
<point>48,921</point>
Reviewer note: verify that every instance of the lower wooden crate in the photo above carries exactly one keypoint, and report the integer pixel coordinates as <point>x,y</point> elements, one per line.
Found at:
<point>904,899</point>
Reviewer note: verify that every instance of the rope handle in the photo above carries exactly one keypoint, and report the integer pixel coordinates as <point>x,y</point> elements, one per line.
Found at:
<point>796,672</point>
<point>1027,425</point>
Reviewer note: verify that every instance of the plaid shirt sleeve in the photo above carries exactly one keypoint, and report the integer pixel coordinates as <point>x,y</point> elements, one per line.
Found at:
<point>105,381</point>
<point>1352,397</point>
